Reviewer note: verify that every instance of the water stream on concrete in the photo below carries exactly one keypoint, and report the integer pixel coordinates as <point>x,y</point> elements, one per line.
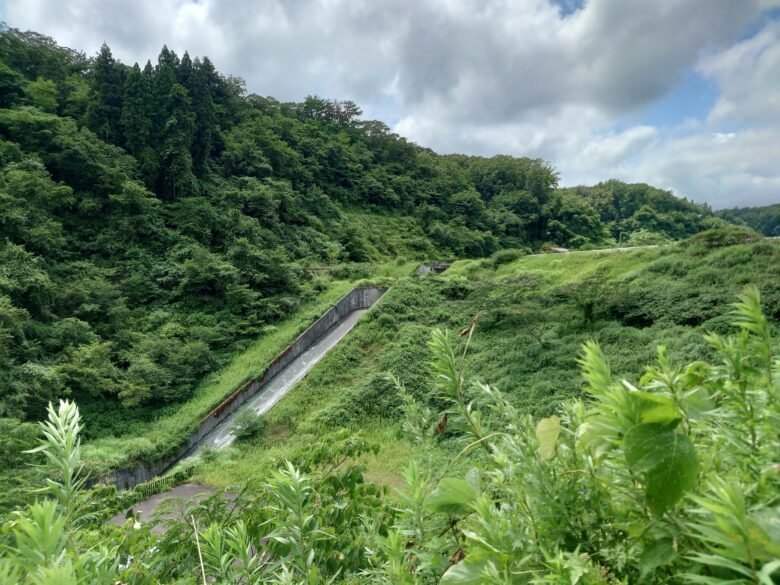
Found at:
<point>222,435</point>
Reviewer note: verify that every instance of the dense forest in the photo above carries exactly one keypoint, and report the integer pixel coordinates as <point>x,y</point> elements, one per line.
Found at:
<point>153,218</point>
<point>765,220</point>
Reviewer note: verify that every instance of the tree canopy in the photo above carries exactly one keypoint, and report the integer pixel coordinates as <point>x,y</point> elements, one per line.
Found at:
<point>155,218</point>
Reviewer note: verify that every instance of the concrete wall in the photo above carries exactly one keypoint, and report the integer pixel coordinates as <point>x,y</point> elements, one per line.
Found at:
<point>432,267</point>
<point>357,298</point>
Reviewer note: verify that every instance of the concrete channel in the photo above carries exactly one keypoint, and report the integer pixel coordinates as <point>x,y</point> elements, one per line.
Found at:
<point>282,383</point>
<point>260,394</point>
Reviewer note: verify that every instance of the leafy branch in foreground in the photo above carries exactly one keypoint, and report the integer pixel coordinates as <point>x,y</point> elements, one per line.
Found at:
<point>43,543</point>
<point>61,446</point>
<point>674,479</point>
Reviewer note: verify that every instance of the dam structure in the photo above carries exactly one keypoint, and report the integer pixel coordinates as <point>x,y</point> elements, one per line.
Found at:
<point>260,394</point>
<point>281,383</point>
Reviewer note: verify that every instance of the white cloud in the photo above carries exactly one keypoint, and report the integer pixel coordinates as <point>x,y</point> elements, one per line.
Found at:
<point>723,137</point>
<point>748,75</point>
<point>740,170</point>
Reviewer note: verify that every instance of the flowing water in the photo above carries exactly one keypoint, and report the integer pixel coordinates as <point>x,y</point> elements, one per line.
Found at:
<point>279,385</point>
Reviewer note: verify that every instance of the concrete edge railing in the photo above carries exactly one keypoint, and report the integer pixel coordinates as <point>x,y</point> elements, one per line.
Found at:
<point>358,298</point>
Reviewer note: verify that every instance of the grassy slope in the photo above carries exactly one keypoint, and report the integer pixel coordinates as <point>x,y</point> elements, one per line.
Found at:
<point>533,318</point>
<point>163,435</point>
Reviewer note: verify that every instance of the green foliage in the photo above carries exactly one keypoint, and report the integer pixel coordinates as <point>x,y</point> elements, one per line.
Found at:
<point>668,460</point>
<point>656,482</point>
<point>506,256</point>
<point>249,425</point>
<point>651,213</point>
<point>723,237</point>
<point>11,86</point>
<point>637,489</point>
<point>376,397</point>
<point>46,542</point>
<point>105,102</point>
<point>42,93</point>
<point>765,220</point>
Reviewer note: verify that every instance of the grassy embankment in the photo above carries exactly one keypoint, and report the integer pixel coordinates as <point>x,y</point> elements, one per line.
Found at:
<point>533,315</point>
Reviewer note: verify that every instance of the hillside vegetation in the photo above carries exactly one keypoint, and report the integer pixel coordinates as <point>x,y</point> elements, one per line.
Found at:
<point>596,417</point>
<point>665,478</point>
<point>765,220</point>
<point>532,315</point>
<point>157,219</point>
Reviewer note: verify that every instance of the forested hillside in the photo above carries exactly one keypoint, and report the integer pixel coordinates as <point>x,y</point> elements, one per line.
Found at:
<point>765,220</point>
<point>155,218</point>
<point>624,474</point>
<point>532,315</point>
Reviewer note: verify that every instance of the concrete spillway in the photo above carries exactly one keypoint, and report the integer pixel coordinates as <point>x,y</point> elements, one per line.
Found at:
<point>260,394</point>
<point>283,382</point>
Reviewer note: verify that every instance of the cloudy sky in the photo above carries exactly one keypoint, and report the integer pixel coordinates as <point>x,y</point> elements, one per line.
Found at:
<point>683,94</point>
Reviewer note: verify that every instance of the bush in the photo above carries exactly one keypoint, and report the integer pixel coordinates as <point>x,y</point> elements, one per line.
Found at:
<point>248,425</point>
<point>507,256</point>
<point>644,237</point>
<point>722,237</point>
<point>376,398</point>
<point>663,482</point>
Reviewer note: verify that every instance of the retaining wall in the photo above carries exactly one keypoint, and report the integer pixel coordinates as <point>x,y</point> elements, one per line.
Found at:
<point>358,298</point>
<point>432,267</point>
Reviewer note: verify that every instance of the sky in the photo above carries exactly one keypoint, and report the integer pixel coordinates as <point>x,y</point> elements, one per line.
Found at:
<point>681,94</point>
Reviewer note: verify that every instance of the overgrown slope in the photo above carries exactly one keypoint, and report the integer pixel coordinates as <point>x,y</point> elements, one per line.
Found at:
<point>533,314</point>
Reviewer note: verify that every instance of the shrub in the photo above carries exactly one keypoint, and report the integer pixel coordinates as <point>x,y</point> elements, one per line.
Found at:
<point>248,425</point>
<point>666,481</point>
<point>507,256</point>
<point>644,237</point>
<point>376,398</point>
<point>722,237</point>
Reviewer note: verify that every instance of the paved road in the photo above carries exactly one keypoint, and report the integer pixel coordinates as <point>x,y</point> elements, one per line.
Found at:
<point>623,249</point>
<point>279,385</point>
<point>144,511</point>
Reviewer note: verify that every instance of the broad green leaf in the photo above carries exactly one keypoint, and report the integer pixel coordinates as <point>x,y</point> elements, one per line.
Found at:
<point>765,575</point>
<point>697,403</point>
<point>465,573</point>
<point>654,408</point>
<point>452,496</point>
<point>661,552</point>
<point>547,432</point>
<point>596,436</point>
<point>474,478</point>
<point>667,458</point>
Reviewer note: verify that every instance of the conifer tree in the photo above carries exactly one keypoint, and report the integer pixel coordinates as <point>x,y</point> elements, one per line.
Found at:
<point>184,71</point>
<point>164,79</point>
<point>205,114</point>
<point>137,121</point>
<point>136,111</point>
<point>177,173</point>
<point>104,111</point>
